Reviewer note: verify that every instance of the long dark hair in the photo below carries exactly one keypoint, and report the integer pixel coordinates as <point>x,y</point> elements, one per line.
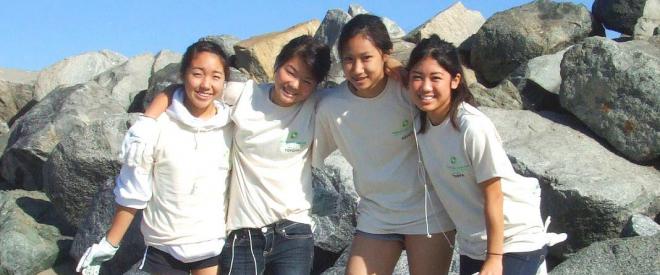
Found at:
<point>203,46</point>
<point>447,57</point>
<point>370,26</point>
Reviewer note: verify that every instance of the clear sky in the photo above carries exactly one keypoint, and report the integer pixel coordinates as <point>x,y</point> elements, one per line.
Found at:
<point>38,33</point>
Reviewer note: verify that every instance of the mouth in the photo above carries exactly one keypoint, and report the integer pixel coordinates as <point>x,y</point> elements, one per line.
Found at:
<point>359,79</point>
<point>426,98</point>
<point>204,95</point>
<point>287,92</point>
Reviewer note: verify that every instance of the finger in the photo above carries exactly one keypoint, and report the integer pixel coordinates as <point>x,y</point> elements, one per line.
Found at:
<point>81,264</point>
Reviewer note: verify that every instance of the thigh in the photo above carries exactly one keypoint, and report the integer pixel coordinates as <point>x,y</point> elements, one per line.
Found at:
<point>160,262</point>
<point>293,250</point>
<point>523,263</point>
<point>243,253</point>
<point>373,256</point>
<point>211,270</point>
<point>469,266</point>
<point>429,255</point>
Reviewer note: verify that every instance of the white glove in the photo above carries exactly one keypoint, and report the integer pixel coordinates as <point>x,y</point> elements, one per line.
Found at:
<point>553,238</point>
<point>137,141</point>
<point>95,255</point>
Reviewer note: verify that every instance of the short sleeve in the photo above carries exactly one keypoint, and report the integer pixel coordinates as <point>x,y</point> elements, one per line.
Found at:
<point>232,92</point>
<point>324,143</point>
<point>484,150</point>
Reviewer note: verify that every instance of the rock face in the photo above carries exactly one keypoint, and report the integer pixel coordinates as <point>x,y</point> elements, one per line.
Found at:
<point>539,81</point>
<point>636,18</point>
<point>75,70</point>
<point>29,238</point>
<point>226,42</point>
<point>393,28</point>
<point>509,38</point>
<point>335,201</point>
<point>160,80</point>
<point>454,24</point>
<point>13,98</point>
<point>637,255</point>
<point>614,88</point>
<point>505,95</point>
<point>164,58</point>
<point>581,181</point>
<point>36,134</point>
<point>94,227</point>
<point>84,160</point>
<point>257,54</point>
<point>128,79</point>
<point>640,225</point>
<point>328,33</point>
<point>18,76</point>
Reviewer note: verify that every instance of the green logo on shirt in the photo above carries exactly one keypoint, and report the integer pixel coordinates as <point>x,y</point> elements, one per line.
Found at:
<point>405,130</point>
<point>293,135</point>
<point>292,144</point>
<point>457,170</point>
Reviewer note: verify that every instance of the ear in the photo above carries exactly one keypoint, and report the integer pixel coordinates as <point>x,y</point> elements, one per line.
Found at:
<point>455,81</point>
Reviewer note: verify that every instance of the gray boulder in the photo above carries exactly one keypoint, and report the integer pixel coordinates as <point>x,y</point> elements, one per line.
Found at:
<point>393,29</point>
<point>30,240</point>
<point>335,202</point>
<point>94,226</point>
<point>614,88</point>
<point>539,81</point>
<point>454,24</point>
<point>640,225</point>
<point>630,17</point>
<point>328,33</point>
<point>164,58</point>
<point>160,80</point>
<point>589,191</point>
<point>128,79</point>
<point>510,38</point>
<point>75,70</point>
<point>18,76</point>
<point>85,158</point>
<point>14,97</point>
<point>36,134</point>
<point>504,96</point>
<point>226,42</point>
<point>637,255</point>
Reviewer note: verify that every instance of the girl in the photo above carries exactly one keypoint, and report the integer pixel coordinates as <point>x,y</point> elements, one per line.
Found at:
<point>271,185</point>
<point>369,119</point>
<point>178,177</point>
<point>495,210</point>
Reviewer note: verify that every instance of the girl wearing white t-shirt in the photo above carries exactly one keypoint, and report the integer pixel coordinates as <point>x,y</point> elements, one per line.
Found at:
<point>177,173</point>
<point>270,194</point>
<point>496,211</point>
<point>369,119</point>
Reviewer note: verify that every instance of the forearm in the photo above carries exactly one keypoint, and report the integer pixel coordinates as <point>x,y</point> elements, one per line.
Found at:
<point>493,210</point>
<point>120,223</point>
<point>160,102</point>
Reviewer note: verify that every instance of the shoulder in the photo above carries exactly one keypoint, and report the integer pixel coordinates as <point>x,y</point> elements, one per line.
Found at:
<point>471,120</point>
<point>328,97</point>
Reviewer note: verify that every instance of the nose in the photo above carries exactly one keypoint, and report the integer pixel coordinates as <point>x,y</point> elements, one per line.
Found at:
<point>205,83</point>
<point>426,85</point>
<point>358,67</point>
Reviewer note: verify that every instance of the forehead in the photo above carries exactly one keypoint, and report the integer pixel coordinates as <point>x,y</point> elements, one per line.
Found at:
<point>297,63</point>
<point>429,64</point>
<point>359,44</point>
<point>206,60</point>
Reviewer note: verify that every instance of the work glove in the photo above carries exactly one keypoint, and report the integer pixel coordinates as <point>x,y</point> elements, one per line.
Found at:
<point>94,256</point>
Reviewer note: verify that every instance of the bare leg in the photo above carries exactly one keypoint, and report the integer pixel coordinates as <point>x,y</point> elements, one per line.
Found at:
<point>211,270</point>
<point>371,256</point>
<point>429,255</point>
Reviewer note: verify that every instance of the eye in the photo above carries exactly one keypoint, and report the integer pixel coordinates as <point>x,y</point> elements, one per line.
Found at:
<point>347,59</point>
<point>218,77</point>
<point>417,77</point>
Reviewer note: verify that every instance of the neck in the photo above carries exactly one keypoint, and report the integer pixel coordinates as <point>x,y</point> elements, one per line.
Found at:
<point>438,115</point>
<point>201,113</point>
<point>372,91</point>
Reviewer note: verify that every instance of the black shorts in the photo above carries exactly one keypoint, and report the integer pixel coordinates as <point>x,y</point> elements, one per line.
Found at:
<point>160,262</point>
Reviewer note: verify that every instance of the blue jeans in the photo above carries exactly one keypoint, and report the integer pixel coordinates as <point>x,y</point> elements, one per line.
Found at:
<point>515,263</point>
<point>281,248</point>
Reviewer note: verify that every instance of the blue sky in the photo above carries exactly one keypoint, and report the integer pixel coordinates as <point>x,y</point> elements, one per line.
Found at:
<point>38,33</point>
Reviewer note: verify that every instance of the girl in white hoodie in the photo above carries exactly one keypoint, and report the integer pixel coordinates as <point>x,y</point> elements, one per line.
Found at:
<point>177,172</point>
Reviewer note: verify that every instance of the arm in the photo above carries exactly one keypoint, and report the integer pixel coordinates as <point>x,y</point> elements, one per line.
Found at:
<point>160,102</point>
<point>493,198</point>
<point>394,69</point>
<point>324,142</point>
<point>120,223</point>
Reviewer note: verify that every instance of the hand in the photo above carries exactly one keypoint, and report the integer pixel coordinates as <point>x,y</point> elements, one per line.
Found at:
<point>95,255</point>
<point>138,139</point>
<point>492,266</point>
<point>394,69</point>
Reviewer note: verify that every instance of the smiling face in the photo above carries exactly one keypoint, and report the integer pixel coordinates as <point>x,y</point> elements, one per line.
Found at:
<point>294,83</point>
<point>363,65</point>
<point>430,86</point>
<point>203,80</point>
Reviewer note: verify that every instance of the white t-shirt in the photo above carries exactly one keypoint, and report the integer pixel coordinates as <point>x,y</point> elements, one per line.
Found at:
<point>375,135</point>
<point>457,161</point>
<point>272,177</point>
<point>179,176</point>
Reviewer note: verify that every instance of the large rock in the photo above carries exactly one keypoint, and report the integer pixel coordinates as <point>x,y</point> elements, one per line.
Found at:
<point>128,79</point>
<point>226,42</point>
<point>454,24</point>
<point>637,255</point>
<point>335,202</point>
<point>631,17</point>
<point>257,54</point>
<point>164,58</point>
<point>509,38</point>
<point>30,240</point>
<point>328,33</point>
<point>75,70</point>
<point>94,226</point>
<point>538,81</point>
<point>640,225</point>
<point>14,97</point>
<point>614,88</point>
<point>589,191</point>
<point>85,158</point>
<point>36,134</point>
<point>18,76</point>
<point>504,96</point>
<point>160,80</point>
<point>392,27</point>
